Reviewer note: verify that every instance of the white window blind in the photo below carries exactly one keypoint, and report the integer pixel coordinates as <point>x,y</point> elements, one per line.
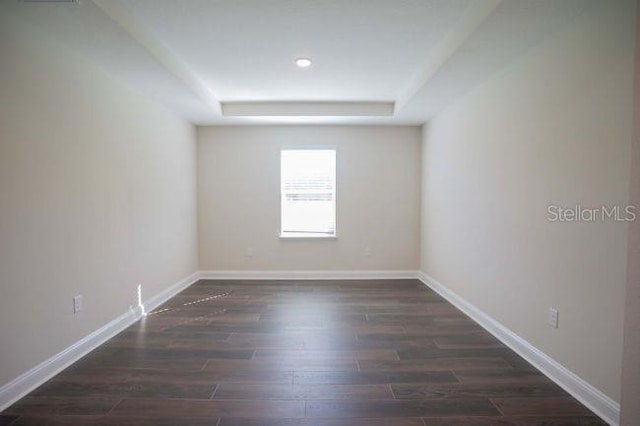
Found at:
<point>308,192</point>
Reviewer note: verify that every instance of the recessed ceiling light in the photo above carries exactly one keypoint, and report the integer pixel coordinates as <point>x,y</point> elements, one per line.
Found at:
<point>303,62</point>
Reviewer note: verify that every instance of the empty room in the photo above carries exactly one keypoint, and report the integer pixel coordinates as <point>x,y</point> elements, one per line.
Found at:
<point>319,212</point>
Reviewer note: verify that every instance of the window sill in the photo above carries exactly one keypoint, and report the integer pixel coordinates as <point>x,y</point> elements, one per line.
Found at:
<point>303,236</point>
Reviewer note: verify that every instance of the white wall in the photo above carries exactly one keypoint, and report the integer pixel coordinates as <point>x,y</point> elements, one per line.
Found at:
<point>97,195</point>
<point>554,128</point>
<point>630,405</point>
<point>378,180</point>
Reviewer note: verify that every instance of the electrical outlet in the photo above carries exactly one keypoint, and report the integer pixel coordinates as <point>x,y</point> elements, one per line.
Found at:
<point>553,318</point>
<point>77,304</point>
<point>249,252</point>
<point>367,251</point>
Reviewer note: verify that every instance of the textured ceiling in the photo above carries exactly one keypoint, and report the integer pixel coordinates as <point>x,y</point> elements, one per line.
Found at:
<point>196,55</point>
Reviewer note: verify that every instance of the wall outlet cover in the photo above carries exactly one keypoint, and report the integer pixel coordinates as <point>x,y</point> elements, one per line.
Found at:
<point>553,318</point>
<point>77,304</point>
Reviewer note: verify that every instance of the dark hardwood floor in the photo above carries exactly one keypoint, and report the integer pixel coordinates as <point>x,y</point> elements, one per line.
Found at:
<point>324,353</point>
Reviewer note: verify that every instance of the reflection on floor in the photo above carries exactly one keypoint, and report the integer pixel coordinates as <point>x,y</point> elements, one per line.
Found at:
<point>366,352</point>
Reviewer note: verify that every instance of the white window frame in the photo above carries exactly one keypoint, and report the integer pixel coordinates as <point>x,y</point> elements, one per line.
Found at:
<point>309,235</point>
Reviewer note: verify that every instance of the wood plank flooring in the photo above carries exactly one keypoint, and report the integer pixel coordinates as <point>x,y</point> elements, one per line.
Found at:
<point>322,353</point>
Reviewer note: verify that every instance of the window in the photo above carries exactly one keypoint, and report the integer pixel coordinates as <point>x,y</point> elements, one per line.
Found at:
<point>308,193</point>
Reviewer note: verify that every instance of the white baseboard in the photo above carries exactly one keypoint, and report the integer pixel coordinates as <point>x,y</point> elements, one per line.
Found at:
<point>598,402</point>
<point>307,275</point>
<point>30,380</point>
<point>166,294</point>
